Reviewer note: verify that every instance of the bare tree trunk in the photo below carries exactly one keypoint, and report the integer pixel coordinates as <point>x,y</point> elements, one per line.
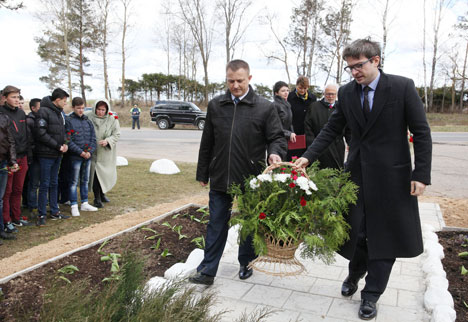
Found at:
<point>424,59</point>
<point>437,20</point>
<point>463,77</point>
<point>384,33</point>
<point>284,57</point>
<point>104,6</point>
<point>64,11</point>
<point>126,5</point>
<point>81,54</point>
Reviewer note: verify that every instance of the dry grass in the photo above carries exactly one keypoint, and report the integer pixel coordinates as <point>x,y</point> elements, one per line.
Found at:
<point>448,122</point>
<point>136,189</point>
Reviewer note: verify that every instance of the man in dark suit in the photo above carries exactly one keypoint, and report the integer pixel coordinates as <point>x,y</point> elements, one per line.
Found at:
<point>316,118</point>
<point>379,109</point>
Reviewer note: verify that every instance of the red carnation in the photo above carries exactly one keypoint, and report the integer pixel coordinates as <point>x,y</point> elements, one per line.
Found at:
<point>411,139</point>
<point>116,117</point>
<point>262,215</point>
<point>293,172</point>
<point>303,202</point>
<point>294,177</point>
<point>110,113</point>
<point>69,133</point>
<point>292,185</point>
<point>294,158</point>
<point>72,131</point>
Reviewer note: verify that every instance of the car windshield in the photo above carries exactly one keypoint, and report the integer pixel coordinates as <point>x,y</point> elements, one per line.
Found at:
<point>194,107</point>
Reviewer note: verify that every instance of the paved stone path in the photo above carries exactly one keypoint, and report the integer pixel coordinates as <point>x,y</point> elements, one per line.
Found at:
<point>315,295</point>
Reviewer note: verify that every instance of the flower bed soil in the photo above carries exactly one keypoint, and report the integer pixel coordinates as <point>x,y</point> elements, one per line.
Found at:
<point>452,242</point>
<point>25,292</point>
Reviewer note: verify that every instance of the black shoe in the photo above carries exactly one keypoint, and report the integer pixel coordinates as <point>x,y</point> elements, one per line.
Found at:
<point>104,198</point>
<point>200,278</point>
<point>7,236</point>
<point>41,221</point>
<point>367,310</point>
<point>97,203</point>
<point>10,228</point>
<point>350,285</point>
<point>245,272</point>
<point>58,216</point>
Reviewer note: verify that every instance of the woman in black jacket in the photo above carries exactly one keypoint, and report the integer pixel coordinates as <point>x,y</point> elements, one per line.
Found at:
<point>283,107</point>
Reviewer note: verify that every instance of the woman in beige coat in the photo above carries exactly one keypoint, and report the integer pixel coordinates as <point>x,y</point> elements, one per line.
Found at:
<point>103,172</point>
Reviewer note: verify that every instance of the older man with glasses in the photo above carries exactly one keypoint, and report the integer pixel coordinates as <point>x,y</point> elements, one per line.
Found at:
<point>316,118</point>
<point>378,108</point>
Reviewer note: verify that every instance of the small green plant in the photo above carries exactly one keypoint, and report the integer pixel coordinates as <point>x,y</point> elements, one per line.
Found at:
<point>175,216</point>
<point>114,258</point>
<point>199,242</point>
<point>463,254</point>
<point>176,228</point>
<point>166,253</point>
<point>68,270</point>
<point>155,233</point>
<point>157,245</point>
<point>464,271</point>
<point>466,305</point>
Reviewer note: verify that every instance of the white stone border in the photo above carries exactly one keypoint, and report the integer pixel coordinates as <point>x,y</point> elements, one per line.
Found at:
<point>437,299</point>
<point>100,241</point>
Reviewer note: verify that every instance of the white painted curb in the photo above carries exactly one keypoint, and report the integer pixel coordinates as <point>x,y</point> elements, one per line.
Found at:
<point>437,299</point>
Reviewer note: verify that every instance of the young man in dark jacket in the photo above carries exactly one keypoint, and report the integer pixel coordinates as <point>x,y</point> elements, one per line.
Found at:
<point>14,188</point>
<point>31,185</point>
<point>241,129</point>
<point>7,158</point>
<point>50,145</point>
<point>80,149</point>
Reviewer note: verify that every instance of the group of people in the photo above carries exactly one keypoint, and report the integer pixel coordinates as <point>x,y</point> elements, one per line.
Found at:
<point>46,155</point>
<point>373,113</point>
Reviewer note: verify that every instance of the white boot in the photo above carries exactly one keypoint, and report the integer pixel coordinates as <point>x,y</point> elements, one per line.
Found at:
<point>85,206</point>
<point>74,211</point>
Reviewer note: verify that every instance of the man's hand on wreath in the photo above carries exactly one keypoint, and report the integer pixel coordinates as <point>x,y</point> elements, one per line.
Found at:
<point>301,163</point>
<point>274,158</point>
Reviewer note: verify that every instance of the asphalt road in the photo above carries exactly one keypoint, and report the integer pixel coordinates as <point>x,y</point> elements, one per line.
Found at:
<point>449,162</point>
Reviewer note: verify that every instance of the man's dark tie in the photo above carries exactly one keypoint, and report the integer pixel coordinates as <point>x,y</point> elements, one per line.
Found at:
<point>365,105</point>
<point>236,100</point>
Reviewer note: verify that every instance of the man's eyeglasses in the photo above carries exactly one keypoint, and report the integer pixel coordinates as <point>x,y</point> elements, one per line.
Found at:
<point>330,94</point>
<point>357,66</point>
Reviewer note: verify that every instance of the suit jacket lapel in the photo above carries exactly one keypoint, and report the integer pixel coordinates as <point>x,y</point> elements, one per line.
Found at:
<point>380,98</point>
<point>356,104</point>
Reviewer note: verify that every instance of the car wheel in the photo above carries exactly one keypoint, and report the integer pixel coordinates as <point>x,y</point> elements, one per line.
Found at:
<point>163,124</point>
<point>201,124</point>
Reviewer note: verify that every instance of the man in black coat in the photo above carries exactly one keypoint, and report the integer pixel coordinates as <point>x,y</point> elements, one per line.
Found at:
<point>379,109</point>
<point>50,145</point>
<point>241,128</point>
<point>316,118</point>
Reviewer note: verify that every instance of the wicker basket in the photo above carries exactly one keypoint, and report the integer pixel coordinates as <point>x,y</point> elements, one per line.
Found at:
<point>280,259</point>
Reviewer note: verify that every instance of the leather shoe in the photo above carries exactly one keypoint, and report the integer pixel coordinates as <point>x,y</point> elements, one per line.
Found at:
<point>245,272</point>
<point>5,235</point>
<point>97,203</point>
<point>200,278</point>
<point>350,285</point>
<point>367,310</point>
<point>104,198</point>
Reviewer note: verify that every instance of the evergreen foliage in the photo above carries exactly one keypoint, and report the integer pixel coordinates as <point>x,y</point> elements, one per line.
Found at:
<point>283,205</point>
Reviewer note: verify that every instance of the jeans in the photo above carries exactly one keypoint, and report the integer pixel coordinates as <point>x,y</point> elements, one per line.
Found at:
<point>3,182</point>
<point>13,191</point>
<point>33,184</point>
<point>137,121</point>
<point>216,235</point>
<point>79,172</point>
<point>49,181</point>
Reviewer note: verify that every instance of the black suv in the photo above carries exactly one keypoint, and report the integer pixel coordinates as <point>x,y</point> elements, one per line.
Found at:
<point>169,113</point>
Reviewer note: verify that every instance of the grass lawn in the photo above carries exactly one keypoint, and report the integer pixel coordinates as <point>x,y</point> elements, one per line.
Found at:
<point>136,189</point>
<point>448,122</point>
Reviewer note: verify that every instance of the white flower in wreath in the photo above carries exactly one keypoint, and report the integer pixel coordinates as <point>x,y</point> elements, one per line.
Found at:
<point>281,177</point>
<point>308,192</point>
<point>264,177</point>
<point>312,185</point>
<point>254,183</point>
<point>303,183</point>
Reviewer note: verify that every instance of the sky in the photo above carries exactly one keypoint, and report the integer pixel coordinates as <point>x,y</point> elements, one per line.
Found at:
<point>22,67</point>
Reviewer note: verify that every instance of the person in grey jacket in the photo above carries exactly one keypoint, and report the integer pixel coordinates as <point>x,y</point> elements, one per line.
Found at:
<point>283,107</point>
<point>241,129</point>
